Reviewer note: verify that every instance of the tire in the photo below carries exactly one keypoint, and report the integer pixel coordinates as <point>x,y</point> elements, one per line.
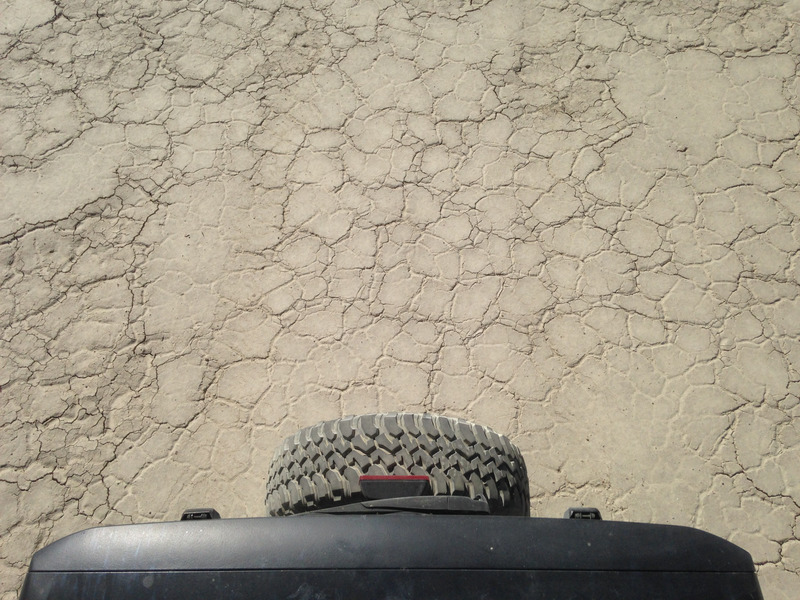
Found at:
<point>320,466</point>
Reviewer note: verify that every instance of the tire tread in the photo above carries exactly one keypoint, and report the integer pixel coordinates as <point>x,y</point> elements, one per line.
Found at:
<point>320,465</point>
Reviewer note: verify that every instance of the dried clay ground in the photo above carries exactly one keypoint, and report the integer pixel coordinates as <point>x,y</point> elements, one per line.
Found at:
<point>577,222</point>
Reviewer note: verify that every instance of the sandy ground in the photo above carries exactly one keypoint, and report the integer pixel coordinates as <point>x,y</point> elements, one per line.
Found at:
<point>575,221</point>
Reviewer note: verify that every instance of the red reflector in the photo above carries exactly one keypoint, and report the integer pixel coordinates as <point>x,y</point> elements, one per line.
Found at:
<point>378,487</point>
<point>394,478</point>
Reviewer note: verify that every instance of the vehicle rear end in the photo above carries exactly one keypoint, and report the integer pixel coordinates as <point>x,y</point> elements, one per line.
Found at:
<point>390,556</point>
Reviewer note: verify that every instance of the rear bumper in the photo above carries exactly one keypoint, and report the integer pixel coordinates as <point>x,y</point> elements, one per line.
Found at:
<point>409,556</point>
<point>391,585</point>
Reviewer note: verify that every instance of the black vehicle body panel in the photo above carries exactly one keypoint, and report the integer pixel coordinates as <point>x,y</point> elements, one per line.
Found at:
<point>391,556</point>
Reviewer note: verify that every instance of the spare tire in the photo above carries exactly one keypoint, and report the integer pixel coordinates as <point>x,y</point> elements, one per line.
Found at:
<point>320,466</point>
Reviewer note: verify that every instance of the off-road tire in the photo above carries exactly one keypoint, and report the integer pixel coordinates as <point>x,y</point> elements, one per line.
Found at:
<point>320,466</point>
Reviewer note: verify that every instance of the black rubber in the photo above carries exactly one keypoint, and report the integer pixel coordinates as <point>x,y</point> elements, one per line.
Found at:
<point>320,466</point>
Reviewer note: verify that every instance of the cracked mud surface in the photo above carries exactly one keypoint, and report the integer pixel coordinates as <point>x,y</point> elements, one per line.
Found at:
<point>576,222</point>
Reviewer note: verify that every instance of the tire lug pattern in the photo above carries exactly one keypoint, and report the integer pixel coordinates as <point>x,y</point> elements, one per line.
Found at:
<point>409,423</point>
<point>367,425</point>
<point>377,469</point>
<point>391,426</point>
<point>364,444</point>
<point>320,466</point>
<point>388,442</point>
